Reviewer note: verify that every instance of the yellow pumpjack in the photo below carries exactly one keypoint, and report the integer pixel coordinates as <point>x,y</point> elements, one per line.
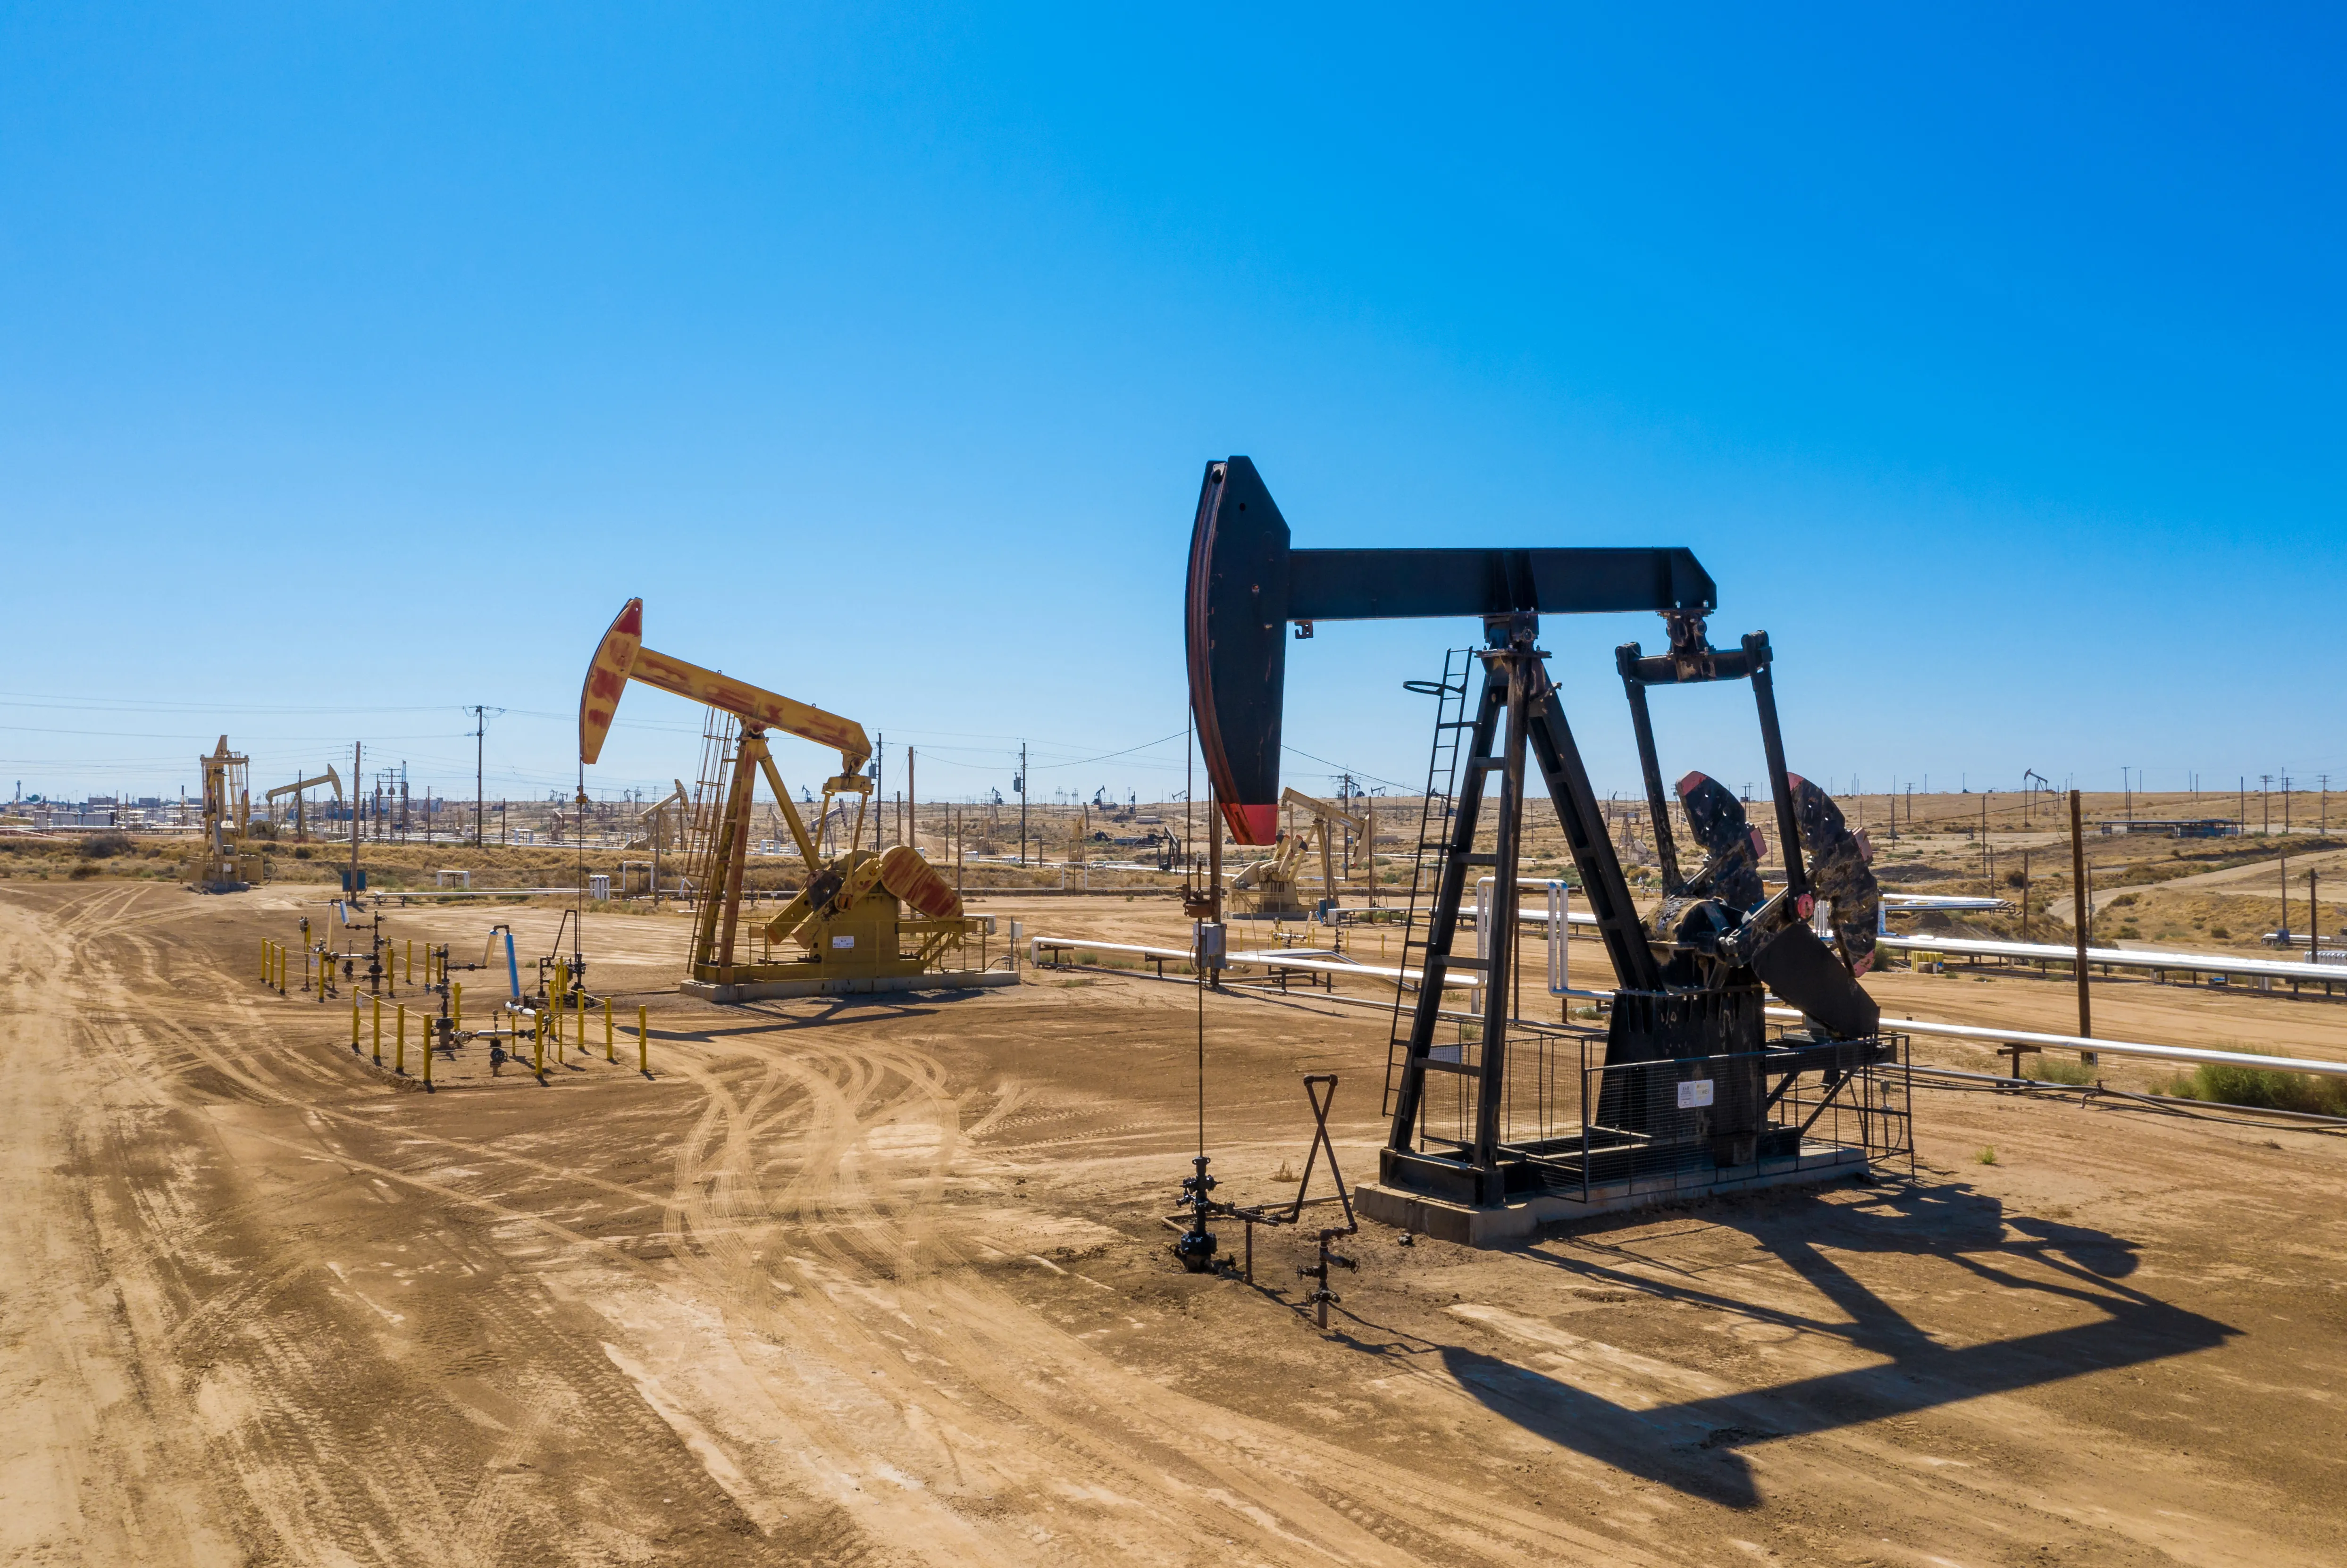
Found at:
<point>223,863</point>
<point>1269,887</point>
<point>866,920</point>
<point>299,789</point>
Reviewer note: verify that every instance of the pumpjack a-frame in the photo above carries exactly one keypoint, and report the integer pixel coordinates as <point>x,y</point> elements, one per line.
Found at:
<point>1688,1007</point>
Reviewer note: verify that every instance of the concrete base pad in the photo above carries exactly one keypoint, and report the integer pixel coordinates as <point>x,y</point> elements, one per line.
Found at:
<point>1510,1221</point>
<point>848,985</point>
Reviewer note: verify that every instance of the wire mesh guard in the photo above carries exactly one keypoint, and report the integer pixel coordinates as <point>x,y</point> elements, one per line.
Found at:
<point>1574,1126</point>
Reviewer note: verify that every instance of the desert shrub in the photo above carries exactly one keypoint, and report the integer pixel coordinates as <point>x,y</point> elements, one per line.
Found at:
<point>2060,1070</point>
<point>2220,933</point>
<point>104,845</point>
<point>2261,1089</point>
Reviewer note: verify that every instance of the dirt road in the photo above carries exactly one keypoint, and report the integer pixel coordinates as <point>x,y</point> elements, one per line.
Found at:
<point>884,1284</point>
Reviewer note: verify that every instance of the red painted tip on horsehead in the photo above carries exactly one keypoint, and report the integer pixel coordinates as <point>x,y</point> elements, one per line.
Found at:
<point>607,678</point>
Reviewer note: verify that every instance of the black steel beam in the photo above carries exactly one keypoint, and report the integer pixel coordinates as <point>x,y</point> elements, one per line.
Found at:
<point>1379,585</point>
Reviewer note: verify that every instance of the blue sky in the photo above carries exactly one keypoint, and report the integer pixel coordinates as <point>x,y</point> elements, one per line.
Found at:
<point>357,363</point>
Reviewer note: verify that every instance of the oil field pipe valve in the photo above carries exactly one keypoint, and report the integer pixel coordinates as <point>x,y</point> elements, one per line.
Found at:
<point>1195,1246</point>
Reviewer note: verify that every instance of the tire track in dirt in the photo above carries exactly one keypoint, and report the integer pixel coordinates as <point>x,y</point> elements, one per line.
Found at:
<point>323,1489</point>
<point>842,1221</point>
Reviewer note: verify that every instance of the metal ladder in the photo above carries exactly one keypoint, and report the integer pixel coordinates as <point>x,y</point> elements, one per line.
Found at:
<point>1450,723</point>
<point>717,738</point>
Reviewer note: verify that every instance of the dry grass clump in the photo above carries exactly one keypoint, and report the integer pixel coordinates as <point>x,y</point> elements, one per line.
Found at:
<point>2261,1089</point>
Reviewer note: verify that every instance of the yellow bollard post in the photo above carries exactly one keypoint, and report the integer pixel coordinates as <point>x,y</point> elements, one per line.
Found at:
<point>354,1025</point>
<point>580,1021</point>
<point>609,1054</point>
<point>456,1000</point>
<point>264,960</point>
<point>281,968</point>
<point>427,1052</point>
<point>643,1045</point>
<point>537,1047</point>
<point>399,1050</point>
<point>378,1031</point>
<point>410,976</point>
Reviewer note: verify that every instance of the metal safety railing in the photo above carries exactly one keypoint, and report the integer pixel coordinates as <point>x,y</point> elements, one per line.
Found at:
<point>1684,1123</point>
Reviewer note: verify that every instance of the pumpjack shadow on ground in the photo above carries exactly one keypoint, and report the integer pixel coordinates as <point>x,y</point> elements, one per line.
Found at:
<point>1694,1445</point>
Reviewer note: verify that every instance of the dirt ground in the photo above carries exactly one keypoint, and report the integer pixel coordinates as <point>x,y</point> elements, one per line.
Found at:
<point>886,1282</point>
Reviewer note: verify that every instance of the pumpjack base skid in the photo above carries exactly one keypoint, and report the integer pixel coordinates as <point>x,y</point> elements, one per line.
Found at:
<point>846,985</point>
<point>1500,1224</point>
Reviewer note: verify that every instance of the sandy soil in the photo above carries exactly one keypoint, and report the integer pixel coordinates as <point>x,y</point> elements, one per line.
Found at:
<point>885,1282</point>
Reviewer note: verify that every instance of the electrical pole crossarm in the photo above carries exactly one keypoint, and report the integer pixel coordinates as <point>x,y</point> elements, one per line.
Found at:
<point>621,657</point>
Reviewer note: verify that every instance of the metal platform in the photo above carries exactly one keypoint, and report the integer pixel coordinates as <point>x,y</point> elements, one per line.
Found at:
<point>846,985</point>
<point>1497,1225</point>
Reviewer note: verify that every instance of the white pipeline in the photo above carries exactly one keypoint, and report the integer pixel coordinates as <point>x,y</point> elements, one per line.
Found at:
<point>1279,960</point>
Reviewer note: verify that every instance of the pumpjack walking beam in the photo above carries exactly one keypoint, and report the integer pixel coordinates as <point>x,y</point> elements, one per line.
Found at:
<point>1246,586</point>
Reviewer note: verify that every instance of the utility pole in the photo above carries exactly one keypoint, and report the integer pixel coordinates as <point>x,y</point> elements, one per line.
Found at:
<point>2265,804</point>
<point>480,730</point>
<point>912,804</point>
<point>1023,803</point>
<point>2025,895</point>
<point>1213,855</point>
<point>2313,923</point>
<point>2285,806</point>
<point>2080,909</point>
<point>2129,790</point>
<point>357,753</point>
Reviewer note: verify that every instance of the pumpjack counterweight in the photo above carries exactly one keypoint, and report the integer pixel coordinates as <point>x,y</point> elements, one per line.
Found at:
<point>1686,1087</point>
